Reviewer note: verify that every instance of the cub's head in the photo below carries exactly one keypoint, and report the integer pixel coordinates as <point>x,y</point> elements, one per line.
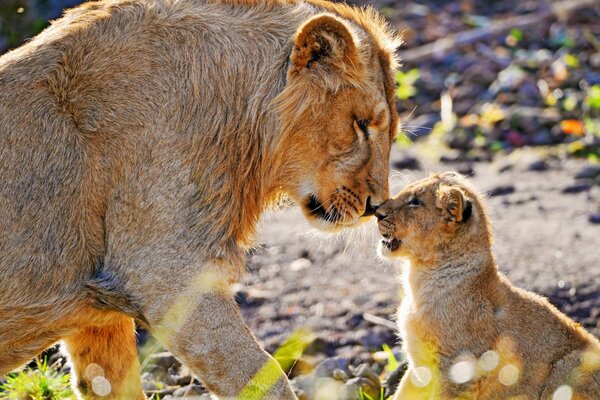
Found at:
<point>435,218</point>
<point>338,116</point>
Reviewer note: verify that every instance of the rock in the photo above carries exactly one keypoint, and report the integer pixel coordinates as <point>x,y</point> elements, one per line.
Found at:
<point>190,391</point>
<point>538,165</point>
<point>589,172</point>
<point>364,371</point>
<point>158,372</point>
<point>374,338</point>
<point>577,187</point>
<point>329,365</point>
<point>339,375</point>
<point>171,380</point>
<point>407,162</point>
<point>501,190</point>
<point>594,218</point>
<point>465,169</point>
<point>164,359</point>
<point>542,137</point>
<point>185,380</point>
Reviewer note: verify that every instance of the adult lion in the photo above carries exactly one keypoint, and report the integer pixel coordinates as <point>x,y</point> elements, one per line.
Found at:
<point>140,140</point>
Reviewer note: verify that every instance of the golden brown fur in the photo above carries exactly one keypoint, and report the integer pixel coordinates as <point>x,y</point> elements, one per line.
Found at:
<point>140,140</point>
<point>468,332</point>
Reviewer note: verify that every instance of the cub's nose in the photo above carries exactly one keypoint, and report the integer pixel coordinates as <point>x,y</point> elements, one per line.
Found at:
<point>370,209</point>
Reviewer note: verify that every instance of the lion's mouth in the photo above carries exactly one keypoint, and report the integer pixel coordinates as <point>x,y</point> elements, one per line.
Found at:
<point>392,244</point>
<point>317,209</point>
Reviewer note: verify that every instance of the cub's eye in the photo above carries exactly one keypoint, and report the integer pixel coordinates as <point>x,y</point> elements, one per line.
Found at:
<point>414,202</point>
<point>363,124</point>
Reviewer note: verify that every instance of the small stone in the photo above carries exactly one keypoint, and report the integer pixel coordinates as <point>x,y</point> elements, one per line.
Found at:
<point>185,380</point>
<point>465,169</point>
<point>164,359</point>
<point>594,218</point>
<point>158,372</point>
<point>190,390</point>
<point>407,162</point>
<point>339,375</point>
<point>577,187</point>
<point>589,172</point>
<point>364,371</point>
<point>327,366</point>
<point>501,190</point>
<point>150,385</point>
<point>538,165</point>
<point>171,380</point>
<point>542,137</point>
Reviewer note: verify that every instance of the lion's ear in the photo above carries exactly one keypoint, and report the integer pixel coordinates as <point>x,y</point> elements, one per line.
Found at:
<point>454,206</point>
<point>324,43</point>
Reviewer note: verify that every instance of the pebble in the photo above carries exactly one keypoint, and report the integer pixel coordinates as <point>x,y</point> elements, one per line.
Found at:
<point>407,162</point>
<point>190,390</point>
<point>164,359</point>
<point>577,187</point>
<point>501,190</point>
<point>538,165</point>
<point>588,172</point>
<point>594,218</point>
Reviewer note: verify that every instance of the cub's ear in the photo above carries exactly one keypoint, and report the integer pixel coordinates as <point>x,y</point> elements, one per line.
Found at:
<point>324,43</point>
<point>453,204</point>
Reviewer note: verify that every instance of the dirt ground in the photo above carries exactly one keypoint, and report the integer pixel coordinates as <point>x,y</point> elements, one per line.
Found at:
<point>340,289</point>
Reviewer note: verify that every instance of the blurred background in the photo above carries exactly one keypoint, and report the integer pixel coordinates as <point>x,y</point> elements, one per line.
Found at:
<point>506,92</point>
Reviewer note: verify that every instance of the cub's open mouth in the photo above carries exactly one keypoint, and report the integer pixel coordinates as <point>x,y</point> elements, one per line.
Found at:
<point>317,209</point>
<point>392,244</point>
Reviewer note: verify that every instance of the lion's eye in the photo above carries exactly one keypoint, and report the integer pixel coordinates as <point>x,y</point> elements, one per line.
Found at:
<point>414,202</point>
<point>363,124</point>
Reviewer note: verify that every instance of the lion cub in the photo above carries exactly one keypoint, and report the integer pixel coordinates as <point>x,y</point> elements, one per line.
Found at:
<point>468,332</point>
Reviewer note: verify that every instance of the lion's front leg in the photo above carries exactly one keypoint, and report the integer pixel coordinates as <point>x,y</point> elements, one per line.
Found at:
<point>205,330</point>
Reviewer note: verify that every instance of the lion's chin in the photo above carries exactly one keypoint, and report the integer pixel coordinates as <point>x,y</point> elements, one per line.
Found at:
<point>328,226</point>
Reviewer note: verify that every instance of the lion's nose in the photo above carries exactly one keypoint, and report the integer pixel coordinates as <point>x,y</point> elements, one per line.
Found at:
<point>370,209</point>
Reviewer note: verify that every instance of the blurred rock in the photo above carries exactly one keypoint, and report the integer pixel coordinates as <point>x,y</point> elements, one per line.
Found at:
<point>164,359</point>
<point>189,391</point>
<point>407,162</point>
<point>538,165</point>
<point>594,218</point>
<point>577,187</point>
<point>501,190</point>
<point>588,172</point>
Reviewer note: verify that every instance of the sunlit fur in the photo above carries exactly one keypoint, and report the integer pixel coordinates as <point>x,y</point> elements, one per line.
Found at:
<point>457,306</point>
<point>140,140</point>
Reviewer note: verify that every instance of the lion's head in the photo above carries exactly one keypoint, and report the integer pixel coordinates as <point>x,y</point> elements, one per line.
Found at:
<point>338,117</point>
<point>434,218</point>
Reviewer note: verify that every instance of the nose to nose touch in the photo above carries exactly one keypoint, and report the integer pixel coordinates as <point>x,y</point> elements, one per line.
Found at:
<point>380,216</point>
<point>370,208</point>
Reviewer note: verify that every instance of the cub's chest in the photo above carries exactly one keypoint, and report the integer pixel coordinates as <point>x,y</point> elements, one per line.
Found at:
<point>420,340</point>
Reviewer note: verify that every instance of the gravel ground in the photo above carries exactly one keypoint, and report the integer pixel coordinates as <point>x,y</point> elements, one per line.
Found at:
<point>339,290</point>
